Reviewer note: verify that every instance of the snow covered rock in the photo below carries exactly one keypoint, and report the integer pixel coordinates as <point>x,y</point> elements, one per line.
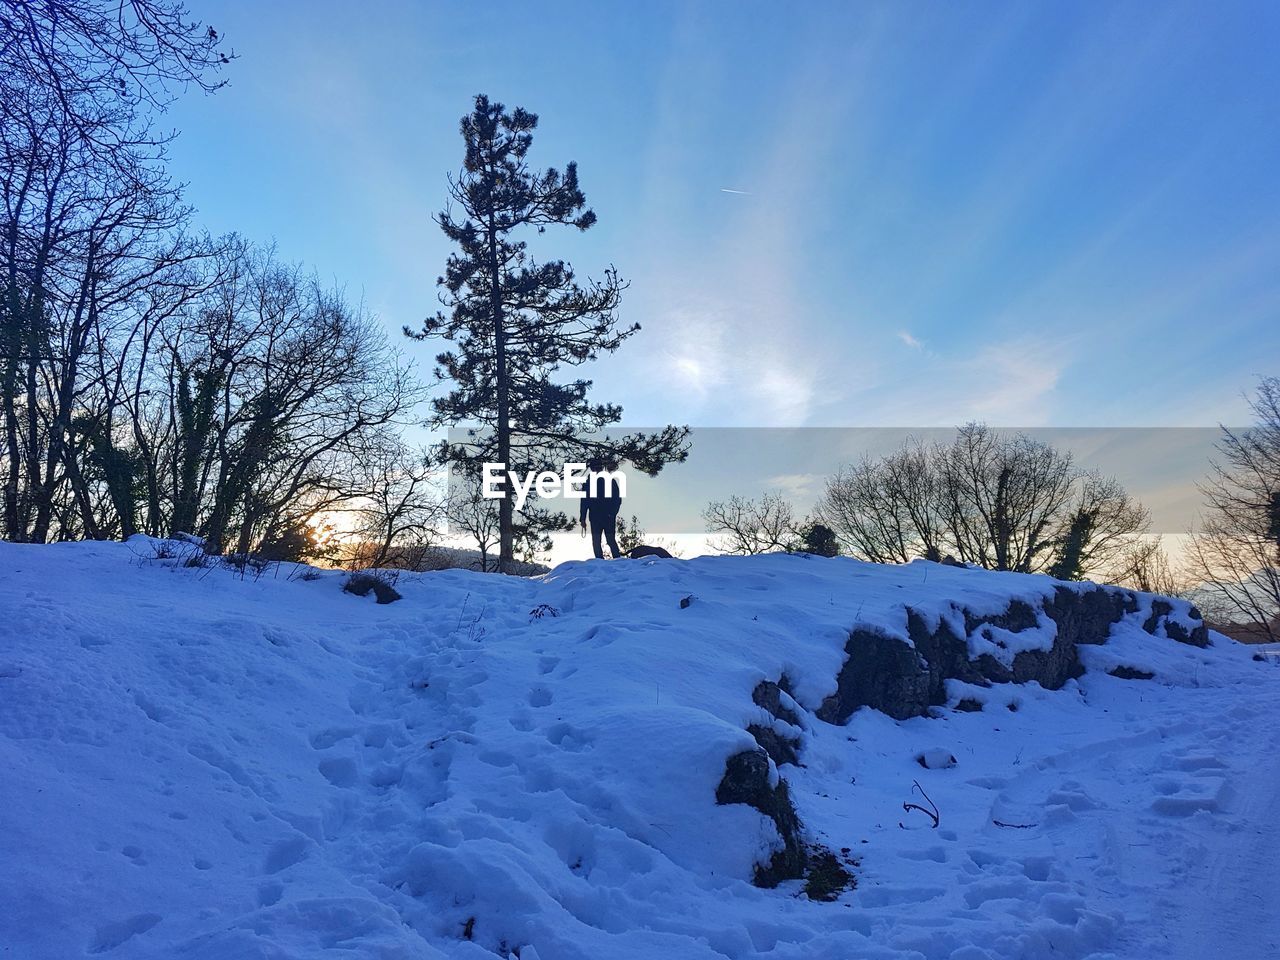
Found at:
<point>936,759</point>
<point>750,778</point>
<point>1031,640</point>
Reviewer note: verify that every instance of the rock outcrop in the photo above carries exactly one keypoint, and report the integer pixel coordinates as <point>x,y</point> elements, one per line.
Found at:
<point>905,680</point>
<point>746,780</point>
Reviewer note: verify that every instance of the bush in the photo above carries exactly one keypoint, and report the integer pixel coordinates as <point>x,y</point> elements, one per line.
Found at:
<point>294,544</point>
<point>820,540</point>
<point>380,582</point>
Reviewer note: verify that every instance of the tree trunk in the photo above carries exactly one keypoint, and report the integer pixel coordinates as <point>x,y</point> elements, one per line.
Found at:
<point>13,527</point>
<point>506,518</point>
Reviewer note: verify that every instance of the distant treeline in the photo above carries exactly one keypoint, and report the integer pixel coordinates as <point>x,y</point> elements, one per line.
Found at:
<point>1005,501</point>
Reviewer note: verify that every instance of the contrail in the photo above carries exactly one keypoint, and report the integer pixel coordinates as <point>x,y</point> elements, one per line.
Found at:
<point>744,193</point>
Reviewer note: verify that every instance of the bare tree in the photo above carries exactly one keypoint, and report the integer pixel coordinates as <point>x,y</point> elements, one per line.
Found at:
<point>471,515</point>
<point>401,507</point>
<point>150,380</point>
<point>284,394</point>
<point>88,222</point>
<point>753,526</point>
<point>1003,497</point>
<point>1236,551</point>
<point>105,65</point>
<point>1101,530</point>
<point>1144,565</point>
<point>1005,502</point>
<point>887,510</point>
<point>86,245</point>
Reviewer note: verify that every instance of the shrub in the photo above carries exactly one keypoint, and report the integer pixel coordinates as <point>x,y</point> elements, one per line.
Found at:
<point>827,877</point>
<point>380,582</point>
<point>820,540</point>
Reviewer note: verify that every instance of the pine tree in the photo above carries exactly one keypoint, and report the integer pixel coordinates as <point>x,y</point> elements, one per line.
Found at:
<point>630,533</point>
<point>515,321</point>
<point>1069,564</point>
<point>820,540</point>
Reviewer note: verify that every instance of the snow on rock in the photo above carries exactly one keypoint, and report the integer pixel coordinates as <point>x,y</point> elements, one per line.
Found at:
<point>936,758</point>
<point>201,764</point>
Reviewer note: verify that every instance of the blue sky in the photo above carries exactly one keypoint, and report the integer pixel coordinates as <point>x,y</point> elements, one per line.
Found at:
<point>1048,214</point>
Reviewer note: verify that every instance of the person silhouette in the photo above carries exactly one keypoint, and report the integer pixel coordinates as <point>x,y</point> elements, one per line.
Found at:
<point>600,505</point>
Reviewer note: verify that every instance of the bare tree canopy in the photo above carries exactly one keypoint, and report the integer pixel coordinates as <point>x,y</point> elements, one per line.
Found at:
<point>1144,565</point>
<point>1236,551</point>
<point>1005,502</point>
<point>753,526</point>
<point>887,510</point>
<point>150,380</point>
<point>104,65</point>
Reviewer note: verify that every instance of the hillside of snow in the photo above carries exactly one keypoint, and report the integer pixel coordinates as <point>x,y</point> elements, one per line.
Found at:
<point>203,765</point>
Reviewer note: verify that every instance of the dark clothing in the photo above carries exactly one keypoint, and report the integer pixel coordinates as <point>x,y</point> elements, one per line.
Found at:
<point>601,505</point>
<point>608,527</point>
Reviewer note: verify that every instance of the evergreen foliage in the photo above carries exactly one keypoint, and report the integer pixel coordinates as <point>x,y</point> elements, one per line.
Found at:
<point>515,322</point>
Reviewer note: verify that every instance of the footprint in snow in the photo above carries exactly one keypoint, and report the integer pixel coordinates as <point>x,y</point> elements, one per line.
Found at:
<point>935,854</point>
<point>285,854</point>
<point>540,697</point>
<point>134,854</point>
<point>566,737</point>
<point>386,775</point>
<point>327,738</point>
<point>111,935</point>
<point>497,758</point>
<point>340,771</point>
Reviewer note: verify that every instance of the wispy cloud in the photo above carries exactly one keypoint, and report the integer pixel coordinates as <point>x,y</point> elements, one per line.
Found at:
<point>747,262</point>
<point>797,485</point>
<point>906,337</point>
<point>696,357</point>
<point>1010,383</point>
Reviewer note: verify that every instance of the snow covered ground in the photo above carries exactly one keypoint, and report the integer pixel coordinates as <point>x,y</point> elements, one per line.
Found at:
<point>202,766</point>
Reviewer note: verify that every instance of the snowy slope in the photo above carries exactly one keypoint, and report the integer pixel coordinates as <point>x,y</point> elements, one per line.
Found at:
<point>203,766</point>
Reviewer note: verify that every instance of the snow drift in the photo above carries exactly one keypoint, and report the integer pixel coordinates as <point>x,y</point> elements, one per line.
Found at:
<point>611,760</point>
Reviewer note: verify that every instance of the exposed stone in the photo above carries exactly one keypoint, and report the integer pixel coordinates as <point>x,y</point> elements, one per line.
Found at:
<point>879,672</point>
<point>1130,673</point>
<point>1018,616</point>
<point>779,748</point>
<point>904,680</point>
<point>746,780</point>
<point>1197,636</point>
<point>936,759</point>
<point>768,694</point>
<point>1086,616</point>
